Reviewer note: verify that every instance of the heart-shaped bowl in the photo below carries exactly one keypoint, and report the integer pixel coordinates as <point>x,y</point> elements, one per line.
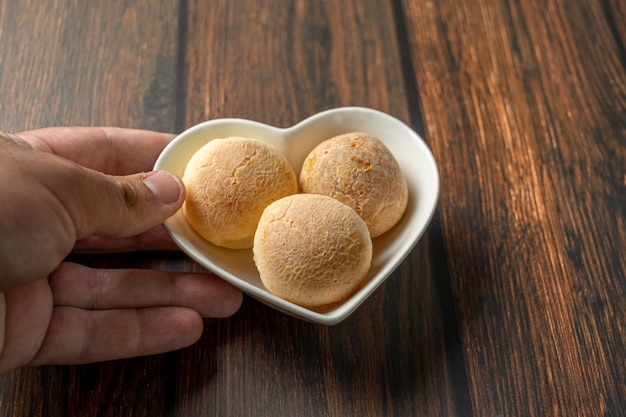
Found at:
<point>389,250</point>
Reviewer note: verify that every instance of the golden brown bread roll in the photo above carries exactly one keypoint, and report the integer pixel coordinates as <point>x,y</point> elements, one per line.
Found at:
<point>229,183</point>
<point>358,170</point>
<point>312,250</point>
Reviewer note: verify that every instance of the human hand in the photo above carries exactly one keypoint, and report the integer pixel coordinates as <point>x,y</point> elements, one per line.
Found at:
<point>92,189</point>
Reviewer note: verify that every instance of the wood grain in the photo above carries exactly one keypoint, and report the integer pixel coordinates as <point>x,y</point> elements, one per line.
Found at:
<point>69,62</point>
<point>529,104</point>
<point>289,63</point>
<point>65,62</point>
<point>279,62</point>
<point>514,301</point>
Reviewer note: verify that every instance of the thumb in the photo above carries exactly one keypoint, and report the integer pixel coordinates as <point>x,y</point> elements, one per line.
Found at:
<point>49,202</point>
<point>126,206</point>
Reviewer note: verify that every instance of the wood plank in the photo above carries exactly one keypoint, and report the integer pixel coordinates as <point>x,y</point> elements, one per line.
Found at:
<point>65,62</point>
<point>281,62</point>
<point>84,63</point>
<point>525,102</point>
<point>278,63</point>
<point>513,302</point>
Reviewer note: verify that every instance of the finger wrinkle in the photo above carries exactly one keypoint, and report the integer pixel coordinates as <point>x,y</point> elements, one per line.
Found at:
<point>88,339</point>
<point>140,335</point>
<point>96,285</point>
<point>16,139</point>
<point>131,197</point>
<point>173,293</point>
<point>113,157</point>
<point>124,329</point>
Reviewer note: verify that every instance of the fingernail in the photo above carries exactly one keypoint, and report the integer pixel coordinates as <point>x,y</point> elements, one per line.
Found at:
<point>164,185</point>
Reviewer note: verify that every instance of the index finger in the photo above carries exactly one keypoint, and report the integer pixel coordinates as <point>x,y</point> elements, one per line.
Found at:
<point>112,150</point>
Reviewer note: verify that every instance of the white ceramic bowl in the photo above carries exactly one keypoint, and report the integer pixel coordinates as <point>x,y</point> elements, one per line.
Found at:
<point>237,266</point>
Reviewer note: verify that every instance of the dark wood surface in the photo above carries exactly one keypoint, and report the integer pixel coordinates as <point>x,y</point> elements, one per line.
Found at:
<point>512,304</point>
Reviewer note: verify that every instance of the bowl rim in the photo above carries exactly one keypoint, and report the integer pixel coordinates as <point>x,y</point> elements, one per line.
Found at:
<point>347,307</point>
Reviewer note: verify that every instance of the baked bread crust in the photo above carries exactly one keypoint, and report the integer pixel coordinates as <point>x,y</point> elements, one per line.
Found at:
<point>360,171</point>
<point>312,249</point>
<point>229,183</point>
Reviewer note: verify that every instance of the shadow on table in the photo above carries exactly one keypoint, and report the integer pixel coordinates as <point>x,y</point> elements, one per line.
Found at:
<point>398,354</point>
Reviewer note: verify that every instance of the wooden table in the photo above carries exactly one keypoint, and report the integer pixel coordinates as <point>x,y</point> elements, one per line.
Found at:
<point>512,304</point>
